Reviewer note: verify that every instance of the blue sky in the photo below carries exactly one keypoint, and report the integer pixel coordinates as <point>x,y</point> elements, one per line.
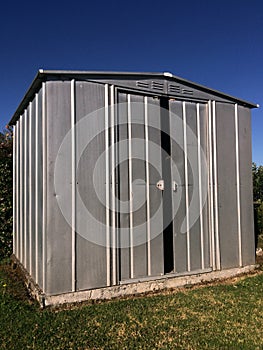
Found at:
<point>215,43</point>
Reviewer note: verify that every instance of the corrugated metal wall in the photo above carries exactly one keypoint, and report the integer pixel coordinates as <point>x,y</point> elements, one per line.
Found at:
<point>218,201</point>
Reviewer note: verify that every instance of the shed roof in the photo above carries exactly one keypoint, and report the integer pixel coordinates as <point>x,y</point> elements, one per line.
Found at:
<point>44,75</point>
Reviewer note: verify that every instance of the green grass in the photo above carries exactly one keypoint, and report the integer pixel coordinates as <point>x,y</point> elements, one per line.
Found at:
<point>224,316</point>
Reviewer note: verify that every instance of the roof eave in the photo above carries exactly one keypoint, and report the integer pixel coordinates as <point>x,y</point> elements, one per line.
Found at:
<point>43,74</point>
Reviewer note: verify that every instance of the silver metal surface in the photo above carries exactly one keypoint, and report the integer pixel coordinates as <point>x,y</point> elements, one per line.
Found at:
<point>238,188</point>
<point>246,188</point>
<point>200,185</point>
<point>217,243</point>
<point>37,218</point>
<point>226,177</point>
<point>21,167</point>
<point>107,166</point>
<point>210,189</point>
<point>73,189</point>
<point>44,177</point>
<point>130,185</point>
<point>186,187</point>
<point>148,214</point>
<point>193,123</point>
<point>113,193</point>
<point>30,183</point>
<point>25,205</point>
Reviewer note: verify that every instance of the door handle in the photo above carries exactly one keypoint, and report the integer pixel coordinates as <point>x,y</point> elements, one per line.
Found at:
<point>175,186</point>
<point>160,185</point>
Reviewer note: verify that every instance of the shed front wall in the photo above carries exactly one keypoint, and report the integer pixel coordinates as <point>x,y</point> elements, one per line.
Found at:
<point>59,258</point>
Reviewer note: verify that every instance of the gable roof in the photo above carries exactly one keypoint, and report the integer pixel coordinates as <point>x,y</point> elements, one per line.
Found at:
<point>108,76</point>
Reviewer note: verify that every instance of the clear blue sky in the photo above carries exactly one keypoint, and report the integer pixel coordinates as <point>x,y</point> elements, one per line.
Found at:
<point>218,43</point>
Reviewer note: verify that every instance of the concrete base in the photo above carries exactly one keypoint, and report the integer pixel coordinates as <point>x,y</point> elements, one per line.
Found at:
<point>130,289</point>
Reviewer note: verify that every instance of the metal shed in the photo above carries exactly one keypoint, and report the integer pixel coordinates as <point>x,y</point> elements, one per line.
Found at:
<point>127,177</point>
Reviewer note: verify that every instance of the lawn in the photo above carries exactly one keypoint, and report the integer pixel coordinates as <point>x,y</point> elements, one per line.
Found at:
<point>228,315</point>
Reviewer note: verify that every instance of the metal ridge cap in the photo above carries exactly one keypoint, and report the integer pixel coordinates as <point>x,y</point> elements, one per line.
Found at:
<point>101,72</point>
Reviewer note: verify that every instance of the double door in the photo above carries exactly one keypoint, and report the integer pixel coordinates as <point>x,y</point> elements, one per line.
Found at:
<point>161,186</point>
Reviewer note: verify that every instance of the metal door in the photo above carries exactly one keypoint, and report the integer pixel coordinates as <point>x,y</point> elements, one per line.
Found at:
<point>161,205</point>
<point>189,123</point>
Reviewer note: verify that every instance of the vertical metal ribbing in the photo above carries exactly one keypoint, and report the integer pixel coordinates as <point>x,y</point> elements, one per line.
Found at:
<point>148,214</point>
<point>200,184</point>
<point>210,188</point>
<point>44,178</point>
<point>130,186</point>
<point>14,190</point>
<point>113,191</point>
<point>73,188</point>
<point>107,179</point>
<point>36,189</point>
<point>25,188</point>
<point>17,139</point>
<point>238,189</point>
<point>30,192</point>
<point>21,185</point>
<point>186,188</point>
<point>217,247</point>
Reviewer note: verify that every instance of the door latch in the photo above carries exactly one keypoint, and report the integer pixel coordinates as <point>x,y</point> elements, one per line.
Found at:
<point>160,185</point>
<point>175,186</point>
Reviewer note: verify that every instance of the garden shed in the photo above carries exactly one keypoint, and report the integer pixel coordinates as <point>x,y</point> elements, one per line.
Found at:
<point>123,178</point>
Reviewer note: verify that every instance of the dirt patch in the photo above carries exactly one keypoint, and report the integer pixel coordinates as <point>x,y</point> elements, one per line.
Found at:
<point>15,282</point>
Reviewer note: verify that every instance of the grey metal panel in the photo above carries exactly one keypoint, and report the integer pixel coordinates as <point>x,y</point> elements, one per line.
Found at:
<point>246,193</point>
<point>58,239</point>
<point>155,174</point>
<point>227,197</point>
<point>123,186</point>
<point>192,152</point>
<point>139,188</point>
<point>26,190</point>
<point>22,186</point>
<point>32,188</point>
<point>17,188</point>
<point>156,196</point>
<point>91,270</point>
<point>204,145</point>
<point>39,192</point>
<point>90,257</point>
<point>178,175</point>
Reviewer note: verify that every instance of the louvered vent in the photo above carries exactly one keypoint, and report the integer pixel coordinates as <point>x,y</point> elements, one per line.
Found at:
<point>156,85</point>
<point>176,89</point>
<point>142,84</point>
<point>187,92</point>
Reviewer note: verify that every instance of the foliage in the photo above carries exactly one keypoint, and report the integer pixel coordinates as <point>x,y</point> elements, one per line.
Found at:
<point>257,172</point>
<point>6,185</point>
<point>223,316</point>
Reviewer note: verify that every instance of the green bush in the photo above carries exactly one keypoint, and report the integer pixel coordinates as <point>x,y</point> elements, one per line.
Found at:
<point>6,193</point>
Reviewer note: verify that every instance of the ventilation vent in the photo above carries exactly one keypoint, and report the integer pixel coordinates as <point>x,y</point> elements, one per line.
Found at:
<point>156,85</point>
<point>142,84</point>
<point>175,89</point>
<point>187,92</point>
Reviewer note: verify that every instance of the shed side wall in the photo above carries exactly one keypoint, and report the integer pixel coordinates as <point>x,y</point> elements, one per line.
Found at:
<point>246,186</point>
<point>227,185</point>
<point>58,233</point>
